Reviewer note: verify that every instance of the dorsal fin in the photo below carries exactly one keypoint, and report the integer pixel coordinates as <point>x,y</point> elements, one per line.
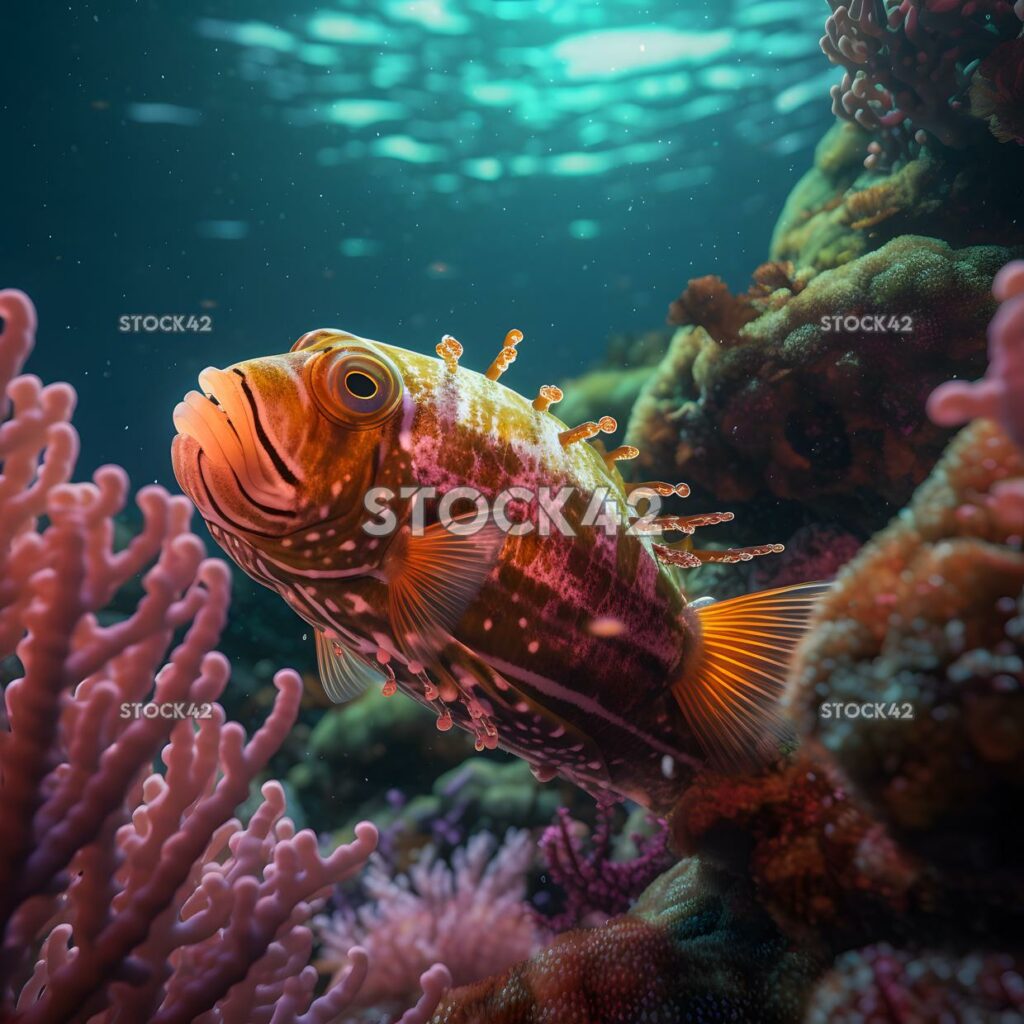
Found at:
<point>730,693</point>
<point>344,674</point>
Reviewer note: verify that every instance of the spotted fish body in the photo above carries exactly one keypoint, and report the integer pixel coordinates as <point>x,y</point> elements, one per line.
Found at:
<point>567,650</point>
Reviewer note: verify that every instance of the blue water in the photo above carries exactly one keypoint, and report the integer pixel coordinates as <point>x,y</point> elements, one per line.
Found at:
<point>401,169</point>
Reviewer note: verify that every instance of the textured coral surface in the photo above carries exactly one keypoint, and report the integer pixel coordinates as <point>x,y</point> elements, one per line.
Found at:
<point>832,419</point>
<point>931,615</point>
<point>694,949</point>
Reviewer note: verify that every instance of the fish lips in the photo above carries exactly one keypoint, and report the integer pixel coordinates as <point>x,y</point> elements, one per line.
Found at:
<point>224,481</point>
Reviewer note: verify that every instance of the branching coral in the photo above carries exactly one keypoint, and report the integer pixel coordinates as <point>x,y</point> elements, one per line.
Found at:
<point>127,895</point>
<point>908,66</point>
<point>595,884</point>
<point>999,394</point>
<point>472,916</point>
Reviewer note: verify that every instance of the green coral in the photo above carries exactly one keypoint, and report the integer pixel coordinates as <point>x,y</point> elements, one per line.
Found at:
<point>830,420</point>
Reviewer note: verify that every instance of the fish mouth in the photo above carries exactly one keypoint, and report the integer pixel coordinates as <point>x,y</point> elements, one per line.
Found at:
<point>220,455</point>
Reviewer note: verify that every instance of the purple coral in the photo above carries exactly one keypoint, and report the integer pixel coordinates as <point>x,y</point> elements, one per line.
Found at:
<point>908,66</point>
<point>596,886</point>
<point>471,915</point>
<point>128,895</point>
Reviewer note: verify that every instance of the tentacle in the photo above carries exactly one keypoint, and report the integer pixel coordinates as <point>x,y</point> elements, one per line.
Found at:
<point>682,524</point>
<point>658,487</point>
<point>506,357</point>
<point>692,558</point>
<point>449,350</point>
<point>547,396</point>
<point>606,425</point>
<point>621,454</point>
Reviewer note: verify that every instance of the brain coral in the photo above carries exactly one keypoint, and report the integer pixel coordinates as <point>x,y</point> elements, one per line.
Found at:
<point>929,619</point>
<point>692,951</point>
<point>792,408</point>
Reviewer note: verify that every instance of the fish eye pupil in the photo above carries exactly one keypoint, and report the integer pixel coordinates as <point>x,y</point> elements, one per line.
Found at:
<point>360,385</point>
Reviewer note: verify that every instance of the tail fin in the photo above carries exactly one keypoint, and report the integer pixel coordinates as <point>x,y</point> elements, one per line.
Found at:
<point>729,692</point>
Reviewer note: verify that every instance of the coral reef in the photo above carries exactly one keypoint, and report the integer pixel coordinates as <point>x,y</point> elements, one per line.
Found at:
<point>880,985</point>
<point>694,948</point>
<point>837,211</point>
<point>928,619</point>
<point>483,793</point>
<point>880,829</point>
<point>597,885</point>
<point>814,552</point>
<point>707,302</point>
<point>997,396</point>
<point>127,894</point>
<point>908,66</point>
<point>808,410</point>
<point>997,92</point>
<point>472,916</point>
<point>828,874</point>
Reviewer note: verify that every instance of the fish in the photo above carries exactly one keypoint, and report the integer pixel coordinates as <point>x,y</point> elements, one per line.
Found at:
<point>446,536</point>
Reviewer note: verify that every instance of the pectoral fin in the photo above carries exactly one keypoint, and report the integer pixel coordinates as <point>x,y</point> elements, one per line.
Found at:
<point>344,674</point>
<point>433,578</point>
<point>730,693</point>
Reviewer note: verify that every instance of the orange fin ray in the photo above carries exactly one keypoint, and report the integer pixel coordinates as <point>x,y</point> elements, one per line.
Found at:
<point>729,694</point>
<point>432,579</point>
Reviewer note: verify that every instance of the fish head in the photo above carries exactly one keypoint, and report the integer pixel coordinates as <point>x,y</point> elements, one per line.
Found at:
<point>278,452</point>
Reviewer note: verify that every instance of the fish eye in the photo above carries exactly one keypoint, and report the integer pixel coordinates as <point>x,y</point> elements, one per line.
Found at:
<point>360,385</point>
<point>354,386</point>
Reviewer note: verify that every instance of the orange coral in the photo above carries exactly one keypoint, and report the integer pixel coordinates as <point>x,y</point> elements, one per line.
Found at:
<point>622,971</point>
<point>708,303</point>
<point>928,617</point>
<point>816,858</point>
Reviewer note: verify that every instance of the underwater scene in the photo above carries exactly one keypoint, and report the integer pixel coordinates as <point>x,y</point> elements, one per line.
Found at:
<point>512,512</point>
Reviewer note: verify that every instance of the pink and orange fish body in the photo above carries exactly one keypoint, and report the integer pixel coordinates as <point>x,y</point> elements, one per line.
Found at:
<point>444,535</point>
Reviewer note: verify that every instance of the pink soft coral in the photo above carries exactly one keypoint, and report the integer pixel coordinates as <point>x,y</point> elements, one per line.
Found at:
<point>999,395</point>
<point>128,895</point>
<point>471,916</point>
